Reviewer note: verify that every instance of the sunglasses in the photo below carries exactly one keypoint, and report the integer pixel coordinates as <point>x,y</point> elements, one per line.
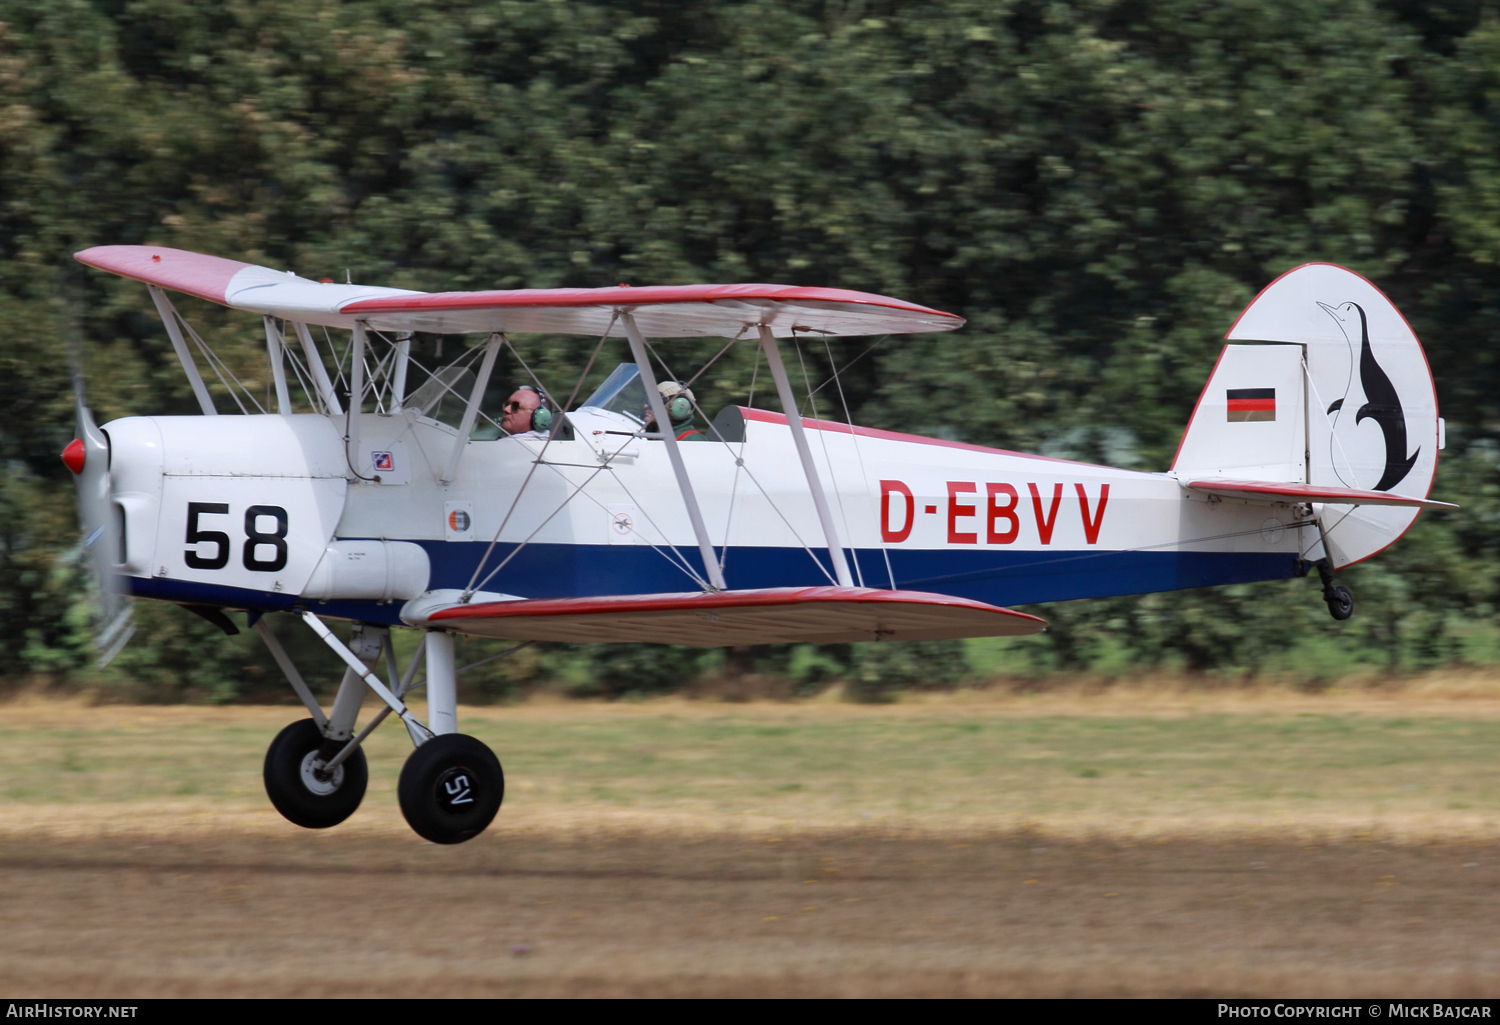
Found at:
<point>512,407</point>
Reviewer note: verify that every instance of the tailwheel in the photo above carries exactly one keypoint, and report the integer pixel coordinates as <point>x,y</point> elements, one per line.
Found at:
<point>1340,602</point>
<point>299,788</point>
<point>451,787</point>
<point>1339,599</point>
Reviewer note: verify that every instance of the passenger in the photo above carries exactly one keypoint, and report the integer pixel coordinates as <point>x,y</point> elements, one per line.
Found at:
<point>527,415</point>
<point>678,399</point>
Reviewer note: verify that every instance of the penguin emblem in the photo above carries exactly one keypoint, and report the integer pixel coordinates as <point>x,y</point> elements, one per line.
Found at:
<point>1352,447</point>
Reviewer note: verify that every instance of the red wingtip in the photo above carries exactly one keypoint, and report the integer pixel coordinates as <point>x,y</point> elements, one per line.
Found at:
<point>72,456</point>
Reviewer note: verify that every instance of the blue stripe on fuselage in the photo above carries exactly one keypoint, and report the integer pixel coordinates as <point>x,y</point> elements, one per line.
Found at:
<point>570,571</point>
<point>997,577</point>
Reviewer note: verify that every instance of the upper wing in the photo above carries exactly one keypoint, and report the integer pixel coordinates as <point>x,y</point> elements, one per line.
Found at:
<point>243,286</point>
<point>1272,490</point>
<point>786,615</point>
<point>661,311</point>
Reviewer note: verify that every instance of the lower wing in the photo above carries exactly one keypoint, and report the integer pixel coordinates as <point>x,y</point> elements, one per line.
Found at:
<point>789,615</point>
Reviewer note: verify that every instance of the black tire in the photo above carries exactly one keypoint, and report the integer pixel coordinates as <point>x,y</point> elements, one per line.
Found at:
<point>301,797</point>
<point>450,789</point>
<point>1340,603</point>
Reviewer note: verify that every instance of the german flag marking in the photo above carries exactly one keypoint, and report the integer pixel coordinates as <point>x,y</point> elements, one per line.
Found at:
<point>1251,404</point>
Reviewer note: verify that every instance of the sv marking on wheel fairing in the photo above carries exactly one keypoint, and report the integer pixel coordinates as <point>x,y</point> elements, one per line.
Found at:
<point>456,788</point>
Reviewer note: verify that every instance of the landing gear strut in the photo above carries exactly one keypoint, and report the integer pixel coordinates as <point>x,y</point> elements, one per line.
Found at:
<point>452,785</point>
<point>315,774</point>
<point>1338,597</point>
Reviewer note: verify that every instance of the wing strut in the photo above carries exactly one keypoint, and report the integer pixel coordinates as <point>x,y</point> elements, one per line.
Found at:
<point>278,365</point>
<point>356,398</point>
<point>174,331</point>
<point>471,411</point>
<point>403,359</point>
<point>799,438</point>
<point>664,425</point>
<point>319,372</point>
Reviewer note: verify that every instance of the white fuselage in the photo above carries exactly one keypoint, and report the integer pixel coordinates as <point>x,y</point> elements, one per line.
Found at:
<point>269,511</point>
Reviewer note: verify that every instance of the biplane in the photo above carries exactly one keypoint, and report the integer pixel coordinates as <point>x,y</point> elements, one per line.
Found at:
<point>360,498</point>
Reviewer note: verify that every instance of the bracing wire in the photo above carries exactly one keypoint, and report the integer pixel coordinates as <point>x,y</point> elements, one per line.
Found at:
<point>676,558</point>
<point>338,361</point>
<point>858,456</point>
<point>855,360</point>
<point>302,373</point>
<point>749,473</point>
<point>666,551</point>
<point>218,366</point>
<point>832,473</point>
<point>740,465</point>
<point>561,506</point>
<point>470,588</point>
<point>739,461</point>
<point>703,369</point>
<point>382,375</point>
<point>463,361</point>
<point>309,392</point>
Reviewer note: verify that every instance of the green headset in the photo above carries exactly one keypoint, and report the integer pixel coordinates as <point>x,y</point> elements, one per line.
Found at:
<point>680,406</point>
<point>541,416</point>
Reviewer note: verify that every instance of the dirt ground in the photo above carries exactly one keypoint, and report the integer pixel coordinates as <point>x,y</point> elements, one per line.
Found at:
<point>237,912</point>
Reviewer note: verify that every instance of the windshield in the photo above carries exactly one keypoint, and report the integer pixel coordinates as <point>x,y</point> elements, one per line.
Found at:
<point>444,396</point>
<point>621,392</point>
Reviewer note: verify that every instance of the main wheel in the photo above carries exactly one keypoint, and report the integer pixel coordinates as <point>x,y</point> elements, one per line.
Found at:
<point>1340,603</point>
<point>450,789</point>
<point>293,785</point>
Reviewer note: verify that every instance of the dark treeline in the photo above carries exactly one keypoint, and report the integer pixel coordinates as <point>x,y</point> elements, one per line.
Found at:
<point>1098,187</point>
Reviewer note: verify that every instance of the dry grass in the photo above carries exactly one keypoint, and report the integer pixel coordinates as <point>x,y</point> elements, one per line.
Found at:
<point>945,845</point>
<point>1476,690</point>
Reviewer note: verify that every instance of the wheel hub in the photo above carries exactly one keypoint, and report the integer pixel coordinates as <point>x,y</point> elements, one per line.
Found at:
<point>316,780</point>
<point>456,791</point>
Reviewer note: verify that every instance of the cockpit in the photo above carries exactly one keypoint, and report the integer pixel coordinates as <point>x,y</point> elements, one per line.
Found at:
<point>621,402</point>
<point>622,392</point>
<point>616,408</point>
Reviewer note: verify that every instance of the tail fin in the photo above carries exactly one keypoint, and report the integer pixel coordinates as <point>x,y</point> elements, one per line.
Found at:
<point>1360,413</point>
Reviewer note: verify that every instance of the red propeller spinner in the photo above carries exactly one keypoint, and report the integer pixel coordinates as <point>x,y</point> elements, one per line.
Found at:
<point>73,455</point>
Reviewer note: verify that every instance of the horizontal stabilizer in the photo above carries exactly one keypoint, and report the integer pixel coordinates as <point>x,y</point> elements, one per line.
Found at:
<point>1274,491</point>
<point>787,615</point>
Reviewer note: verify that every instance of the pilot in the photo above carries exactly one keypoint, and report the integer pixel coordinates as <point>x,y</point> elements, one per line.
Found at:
<point>527,414</point>
<point>678,399</point>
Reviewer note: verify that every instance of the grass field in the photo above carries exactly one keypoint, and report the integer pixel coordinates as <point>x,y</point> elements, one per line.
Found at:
<point>1132,842</point>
